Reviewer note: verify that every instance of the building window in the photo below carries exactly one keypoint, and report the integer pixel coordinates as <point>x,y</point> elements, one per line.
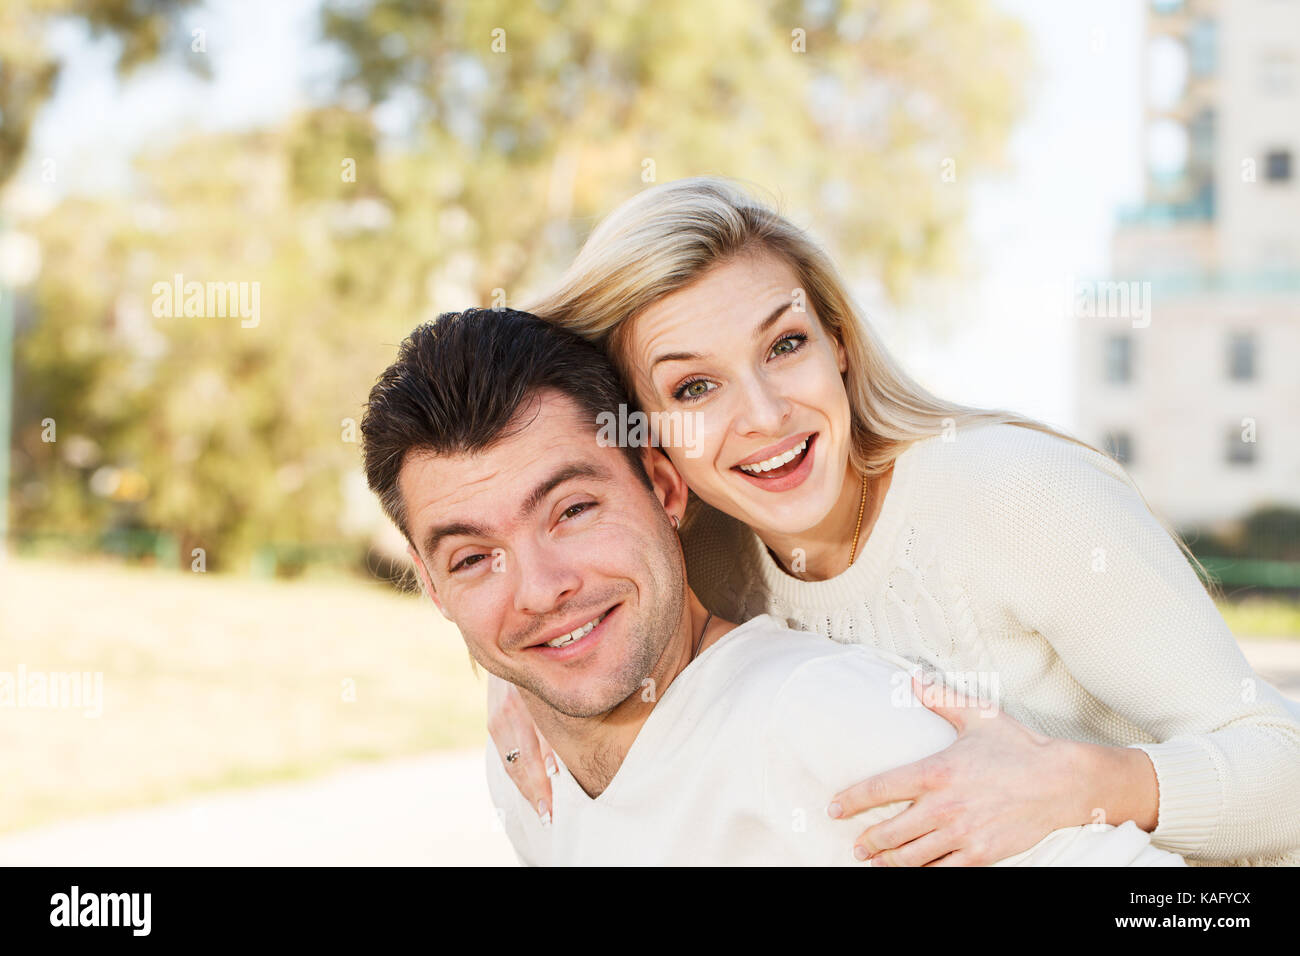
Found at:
<point>1240,451</point>
<point>1201,44</point>
<point>1119,445</point>
<point>1241,357</point>
<point>1202,133</point>
<point>1119,359</point>
<point>1277,165</point>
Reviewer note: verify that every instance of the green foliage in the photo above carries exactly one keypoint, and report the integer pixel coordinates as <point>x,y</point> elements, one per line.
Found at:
<point>235,431</point>
<point>28,70</point>
<point>497,163</point>
<point>1272,534</point>
<point>533,112</point>
<point>1266,534</point>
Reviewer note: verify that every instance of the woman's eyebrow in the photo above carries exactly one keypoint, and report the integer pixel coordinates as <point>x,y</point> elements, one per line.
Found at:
<point>771,320</point>
<point>758,331</point>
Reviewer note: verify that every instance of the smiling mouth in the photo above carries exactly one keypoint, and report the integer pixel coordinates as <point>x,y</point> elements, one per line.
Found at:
<point>564,640</point>
<point>778,466</point>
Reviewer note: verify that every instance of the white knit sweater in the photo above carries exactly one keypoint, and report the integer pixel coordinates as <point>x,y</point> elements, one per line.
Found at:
<point>1011,560</point>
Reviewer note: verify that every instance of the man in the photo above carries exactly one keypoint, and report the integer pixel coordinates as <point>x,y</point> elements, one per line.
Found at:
<point>680,738</point>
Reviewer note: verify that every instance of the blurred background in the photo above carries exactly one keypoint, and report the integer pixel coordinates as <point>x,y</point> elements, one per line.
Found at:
<point>217,220</point>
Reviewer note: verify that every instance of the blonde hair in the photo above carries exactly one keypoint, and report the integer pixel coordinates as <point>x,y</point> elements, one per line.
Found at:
<point>668,236</point>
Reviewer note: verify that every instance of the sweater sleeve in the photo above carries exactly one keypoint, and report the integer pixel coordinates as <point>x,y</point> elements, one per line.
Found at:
<point>1076,555</point>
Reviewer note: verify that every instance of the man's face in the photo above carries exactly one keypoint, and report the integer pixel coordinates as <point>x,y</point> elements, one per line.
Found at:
<point>527,544</point>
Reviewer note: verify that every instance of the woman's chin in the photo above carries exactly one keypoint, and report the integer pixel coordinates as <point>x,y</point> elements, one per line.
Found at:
<point>783,520</point>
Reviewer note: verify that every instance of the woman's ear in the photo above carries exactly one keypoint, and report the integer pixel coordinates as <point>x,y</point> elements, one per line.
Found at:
<point>669,486</point>
<point>842,356</point>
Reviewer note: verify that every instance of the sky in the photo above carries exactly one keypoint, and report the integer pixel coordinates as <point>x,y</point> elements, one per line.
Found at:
<point>998,336</point>
<point>1004,339</point>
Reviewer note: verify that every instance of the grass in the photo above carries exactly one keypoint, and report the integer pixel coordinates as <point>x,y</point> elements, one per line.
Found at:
<point>214,682</point>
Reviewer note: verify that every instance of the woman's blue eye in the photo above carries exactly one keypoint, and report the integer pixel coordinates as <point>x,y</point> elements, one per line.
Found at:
<point>693,389</point>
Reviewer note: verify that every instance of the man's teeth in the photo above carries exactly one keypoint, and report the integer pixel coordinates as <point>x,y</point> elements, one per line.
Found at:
<point>575,635</point>
<point>778,461</point>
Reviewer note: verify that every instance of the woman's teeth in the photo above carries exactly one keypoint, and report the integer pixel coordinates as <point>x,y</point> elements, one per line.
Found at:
<point>572,636</point>
<point>778,461</point>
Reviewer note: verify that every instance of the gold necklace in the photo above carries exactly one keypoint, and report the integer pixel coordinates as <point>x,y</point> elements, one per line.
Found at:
<point>862,506</point>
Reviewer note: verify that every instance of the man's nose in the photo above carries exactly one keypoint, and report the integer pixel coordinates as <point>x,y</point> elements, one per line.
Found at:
<point>544,579</point>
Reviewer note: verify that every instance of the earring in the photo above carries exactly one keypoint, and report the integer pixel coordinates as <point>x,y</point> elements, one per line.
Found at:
<point>674,520</point>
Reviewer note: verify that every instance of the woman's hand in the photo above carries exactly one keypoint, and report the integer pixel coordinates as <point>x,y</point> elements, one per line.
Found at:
<point>512,727</point>
<point>996,791</point>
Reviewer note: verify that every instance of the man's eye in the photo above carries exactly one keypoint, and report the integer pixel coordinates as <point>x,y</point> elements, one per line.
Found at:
<point>574,510</point>
<point>467,562</point>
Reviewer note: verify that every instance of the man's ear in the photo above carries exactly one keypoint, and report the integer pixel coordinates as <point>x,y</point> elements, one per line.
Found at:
<point>669,486</point>
<point>423,573</point>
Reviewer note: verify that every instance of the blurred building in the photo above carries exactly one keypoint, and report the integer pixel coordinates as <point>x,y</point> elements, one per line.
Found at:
<point>1191,352</point>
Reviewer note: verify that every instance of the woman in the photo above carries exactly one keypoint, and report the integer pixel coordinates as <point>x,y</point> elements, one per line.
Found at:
<point>833,491</point>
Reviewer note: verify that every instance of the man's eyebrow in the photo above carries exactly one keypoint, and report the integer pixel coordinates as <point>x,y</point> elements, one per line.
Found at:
<point>470,529</point>
<point>456,529</point>
<point>581,469</point>
<point>759,330</point>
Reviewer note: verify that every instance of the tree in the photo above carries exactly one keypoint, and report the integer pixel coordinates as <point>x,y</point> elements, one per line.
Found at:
<point>29,71</point>
<point>467,150</point>
<point>871,119</point>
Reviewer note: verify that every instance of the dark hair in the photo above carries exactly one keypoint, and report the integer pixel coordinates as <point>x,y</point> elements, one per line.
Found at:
<point>459,382</point>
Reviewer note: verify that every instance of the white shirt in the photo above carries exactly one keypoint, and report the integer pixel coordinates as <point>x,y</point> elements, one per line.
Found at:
<point>737,761</point>
<point>1016,555</point>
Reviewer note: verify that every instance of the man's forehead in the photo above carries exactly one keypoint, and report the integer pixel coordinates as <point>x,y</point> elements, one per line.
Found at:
<point>550,432</point>
<point>546,425</point>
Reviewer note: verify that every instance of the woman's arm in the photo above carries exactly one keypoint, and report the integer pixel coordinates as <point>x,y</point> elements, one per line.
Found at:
<point>995,792</point>
<point>511,728</point>
<point>1097,576</point>
<point>1059,540</point>
<point>1121,784</point>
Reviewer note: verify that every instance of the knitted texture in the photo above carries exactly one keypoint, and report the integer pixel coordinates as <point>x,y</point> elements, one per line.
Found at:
<point>1027,568</point>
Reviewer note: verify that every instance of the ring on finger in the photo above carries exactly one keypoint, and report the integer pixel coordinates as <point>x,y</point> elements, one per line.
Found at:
<point>512,756</point>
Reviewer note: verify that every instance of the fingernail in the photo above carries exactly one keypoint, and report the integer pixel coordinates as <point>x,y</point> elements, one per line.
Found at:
<point>551,769</point>
<point>835,811</point>
<point>545,814</point>
<point>860,852</point>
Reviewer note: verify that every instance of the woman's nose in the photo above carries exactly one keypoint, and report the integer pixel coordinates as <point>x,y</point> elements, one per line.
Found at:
<point>764,409</point>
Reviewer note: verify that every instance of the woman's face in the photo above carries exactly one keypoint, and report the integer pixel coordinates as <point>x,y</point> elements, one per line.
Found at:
<point>764,381</point>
